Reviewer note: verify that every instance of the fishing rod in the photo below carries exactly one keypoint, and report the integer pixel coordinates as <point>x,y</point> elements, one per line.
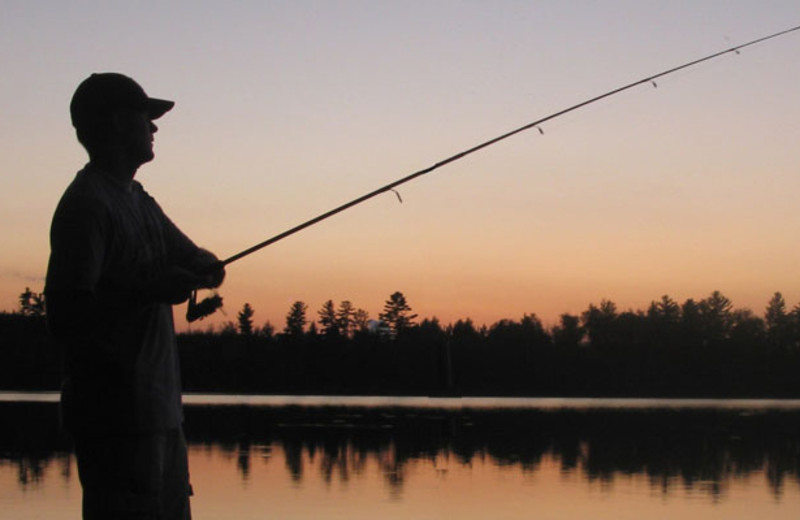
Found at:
<point>209,305</point>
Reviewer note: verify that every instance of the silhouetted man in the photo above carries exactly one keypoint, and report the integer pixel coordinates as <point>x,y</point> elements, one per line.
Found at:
<point>117,265</point>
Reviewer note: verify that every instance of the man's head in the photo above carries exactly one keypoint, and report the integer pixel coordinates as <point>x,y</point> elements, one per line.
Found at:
<point>106,104</point>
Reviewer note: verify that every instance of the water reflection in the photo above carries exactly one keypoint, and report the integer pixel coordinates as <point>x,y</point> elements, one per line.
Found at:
<point>701,451</point>
<point>697,450</point>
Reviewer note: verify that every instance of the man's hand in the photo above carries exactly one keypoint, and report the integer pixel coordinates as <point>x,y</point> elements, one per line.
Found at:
<point>206,265</point>
<point>204,271</point>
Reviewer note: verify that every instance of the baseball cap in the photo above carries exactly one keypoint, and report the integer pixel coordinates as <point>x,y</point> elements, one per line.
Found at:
<point>102,93</point>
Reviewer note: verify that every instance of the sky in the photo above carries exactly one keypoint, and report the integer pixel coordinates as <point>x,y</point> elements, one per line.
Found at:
<point>286,109</point>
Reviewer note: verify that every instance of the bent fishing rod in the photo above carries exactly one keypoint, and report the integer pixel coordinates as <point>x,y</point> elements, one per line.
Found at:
<point>209,305</point>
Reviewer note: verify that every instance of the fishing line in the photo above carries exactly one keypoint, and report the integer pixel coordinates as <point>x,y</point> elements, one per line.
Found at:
<point>193,308</point>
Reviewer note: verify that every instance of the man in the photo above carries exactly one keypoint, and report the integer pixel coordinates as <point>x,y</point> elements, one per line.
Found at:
<point>117,265</point>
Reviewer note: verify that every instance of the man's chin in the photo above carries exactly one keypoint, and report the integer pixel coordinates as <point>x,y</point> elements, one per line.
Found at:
<point>146,158</point>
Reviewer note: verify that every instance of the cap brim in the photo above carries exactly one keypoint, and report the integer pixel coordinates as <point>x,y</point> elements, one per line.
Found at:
<point>158,107</point>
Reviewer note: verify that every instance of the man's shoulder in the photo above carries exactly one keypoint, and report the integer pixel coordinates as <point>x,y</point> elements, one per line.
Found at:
<point>144,199</point>
<point>89,185</point>
<point>85,194</point>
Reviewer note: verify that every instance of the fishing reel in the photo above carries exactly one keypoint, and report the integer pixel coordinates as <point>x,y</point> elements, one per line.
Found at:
<point>206,307</point>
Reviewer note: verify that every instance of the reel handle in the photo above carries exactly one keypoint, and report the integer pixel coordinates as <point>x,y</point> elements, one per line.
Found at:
<point>208,306</point>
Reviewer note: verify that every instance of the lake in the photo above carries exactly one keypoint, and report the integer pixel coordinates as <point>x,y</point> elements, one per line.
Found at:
<point>296,457</point>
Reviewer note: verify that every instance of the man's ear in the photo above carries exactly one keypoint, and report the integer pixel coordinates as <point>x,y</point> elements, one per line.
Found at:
<point>119,121</point>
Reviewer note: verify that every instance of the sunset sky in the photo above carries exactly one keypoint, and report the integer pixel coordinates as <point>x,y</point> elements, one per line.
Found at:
<point>285,109</point>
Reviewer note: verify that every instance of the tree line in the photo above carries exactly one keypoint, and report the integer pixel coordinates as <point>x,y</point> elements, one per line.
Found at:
<point>342,321</point>
<point>698,348</point>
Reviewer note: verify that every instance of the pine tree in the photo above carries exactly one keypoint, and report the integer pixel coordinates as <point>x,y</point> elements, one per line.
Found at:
<point>775,315</point>
<point>361,320</point>
<point>328,320</point>
<point>397,313</point>
<point>717,314</point>
<point>296,319</point>
<point>778,322</point>
<point>344,318</point>
<point>245,318</point>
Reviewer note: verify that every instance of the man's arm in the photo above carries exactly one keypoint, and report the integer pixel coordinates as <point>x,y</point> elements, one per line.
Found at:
<point>185,255</point>
<point>77,253</point>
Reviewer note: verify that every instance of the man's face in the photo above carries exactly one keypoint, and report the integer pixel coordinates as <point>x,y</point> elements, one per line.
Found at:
<point>136,136</point>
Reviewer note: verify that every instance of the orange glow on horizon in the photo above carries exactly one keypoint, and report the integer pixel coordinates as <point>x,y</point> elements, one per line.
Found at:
<point>284,111</point>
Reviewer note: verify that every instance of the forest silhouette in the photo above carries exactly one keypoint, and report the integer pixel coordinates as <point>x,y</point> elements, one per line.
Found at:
<point>701,348</point>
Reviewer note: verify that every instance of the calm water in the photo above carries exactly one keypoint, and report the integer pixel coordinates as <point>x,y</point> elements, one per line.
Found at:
<point>354,458</point>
